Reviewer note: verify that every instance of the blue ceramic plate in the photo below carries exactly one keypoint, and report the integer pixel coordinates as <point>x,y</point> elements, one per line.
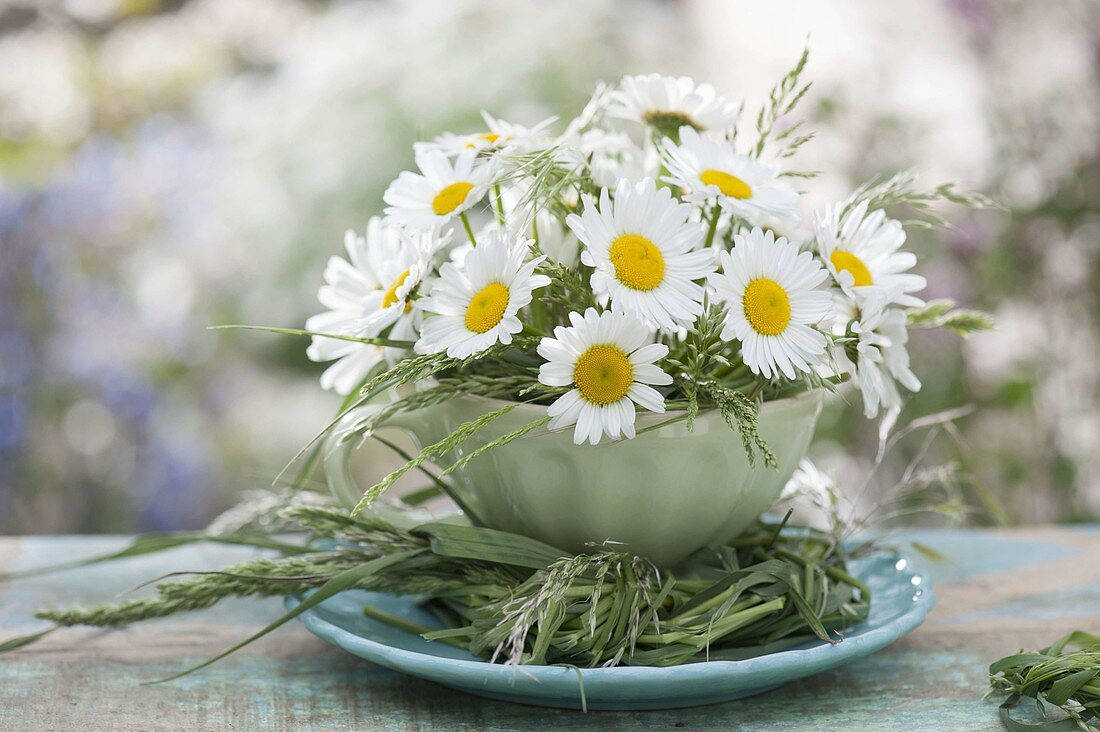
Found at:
<point>901,598</point>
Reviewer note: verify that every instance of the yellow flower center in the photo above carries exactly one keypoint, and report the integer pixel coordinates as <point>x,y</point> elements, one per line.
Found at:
<point>668,122</point>
<point>487,308</point>
<point>489,137</point>
<point>391,294</point>
<point>638,262</point>
<point>850,263</point>
<point>767,307</point>
<point>730,185</point>
<point>451,197</point>
<point>603,374</point>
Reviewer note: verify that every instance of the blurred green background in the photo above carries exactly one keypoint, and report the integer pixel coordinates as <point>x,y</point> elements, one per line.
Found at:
<point>167,166</point>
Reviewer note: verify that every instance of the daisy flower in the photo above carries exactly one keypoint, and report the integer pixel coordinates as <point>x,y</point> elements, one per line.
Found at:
<point>475,306</point>
<point>440,191</point>
<point>500,135</point>
<point>643,248</point>
<point>668,103</point>
<point>710,170</point>
<point>862,253</point>
<point>366,294</point>
<point>882,359</point>
<point>773,304</point>
<point>603,357</point>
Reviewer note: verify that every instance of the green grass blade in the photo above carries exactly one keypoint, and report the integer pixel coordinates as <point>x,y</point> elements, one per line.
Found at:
<point>489,545</point>
<point>343,581</point>
<point>463,432</point>
<point>315,334</point>
<point>422,495</point>
<point>153,543</point>
<point>1014,725</point>
<point>144,544</point>
<point>929,552</point>
<point>1062,690</point>
<point>20,641</point>
<point>410,627</point>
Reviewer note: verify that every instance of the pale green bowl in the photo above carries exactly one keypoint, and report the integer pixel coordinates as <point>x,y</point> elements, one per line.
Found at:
<point>662,495</point>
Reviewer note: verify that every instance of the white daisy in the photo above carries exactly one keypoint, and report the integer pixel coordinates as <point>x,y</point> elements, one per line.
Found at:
<point>862,253</point>
<point>603,357</point>
<point>772,303</point>
<point>366,294</point>
<point>476,306</point>
<point>643,248</point>
<point>711,170</point>
<point>440,192</point>
<point>882,359</point>
<point>499,135</point>
<point>668,103</point>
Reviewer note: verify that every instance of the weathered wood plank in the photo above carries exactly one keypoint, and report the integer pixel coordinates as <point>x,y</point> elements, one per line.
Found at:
<point>1000,589</point>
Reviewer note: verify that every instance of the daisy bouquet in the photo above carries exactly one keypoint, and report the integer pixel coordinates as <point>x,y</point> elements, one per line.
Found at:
<point>648,258</point>
<point>644,269</point>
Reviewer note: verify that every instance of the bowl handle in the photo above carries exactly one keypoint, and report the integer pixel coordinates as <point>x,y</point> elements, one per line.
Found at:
<point>347,437</point>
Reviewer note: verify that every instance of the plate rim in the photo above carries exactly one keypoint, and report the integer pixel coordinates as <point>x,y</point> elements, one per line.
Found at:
<point>816,656</point>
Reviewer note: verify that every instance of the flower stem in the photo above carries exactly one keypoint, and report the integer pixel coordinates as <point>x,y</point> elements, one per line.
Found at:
<point>531,330</point>
<point>499,207</point>
<point>407,625</point>
<point>469,229</point>
<point>715,212</point>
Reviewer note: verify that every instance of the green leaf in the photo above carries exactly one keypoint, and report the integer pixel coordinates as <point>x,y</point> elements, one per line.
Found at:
<point>1062,690</point>
<point>1078,638</point>
<point>809,616</point>
<point>489,545</point>
<point>1017,661</point>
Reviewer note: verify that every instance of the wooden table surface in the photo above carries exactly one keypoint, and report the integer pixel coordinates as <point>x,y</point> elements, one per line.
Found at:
<point>997,590</point>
